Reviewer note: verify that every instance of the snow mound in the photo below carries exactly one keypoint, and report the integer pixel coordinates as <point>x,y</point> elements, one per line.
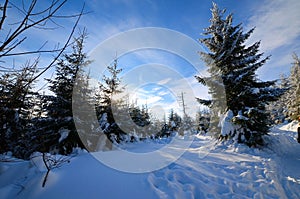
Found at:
<point>290,126</point>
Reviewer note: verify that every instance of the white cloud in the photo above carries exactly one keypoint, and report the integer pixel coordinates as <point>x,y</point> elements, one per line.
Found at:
<point>278,28</point>
<point>166,84</point>
<point>101,29</point>
<point>156,89</point>
<point>163,93</point>
<point>157,38</point>
<point>277,23</point>
<point>164,81</point>
<point>154,99</point>
<point>159,65</point>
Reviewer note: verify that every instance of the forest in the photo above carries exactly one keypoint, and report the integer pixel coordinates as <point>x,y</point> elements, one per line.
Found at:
<point>241,109</point>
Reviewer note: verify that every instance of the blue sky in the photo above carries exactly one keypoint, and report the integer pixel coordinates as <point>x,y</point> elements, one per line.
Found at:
<point>277,25</point>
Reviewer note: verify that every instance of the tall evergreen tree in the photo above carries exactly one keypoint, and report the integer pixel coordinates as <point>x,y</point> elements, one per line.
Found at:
<point>202,121</point>
<point>288,106</point>
<point>233,65</point>
<point>279,109</point>
<point>109,87</point>
<point>59,107</point>
<point>174,121</point>
<point>293,95</point>
<point>16,105</point>
<point>140,116</point>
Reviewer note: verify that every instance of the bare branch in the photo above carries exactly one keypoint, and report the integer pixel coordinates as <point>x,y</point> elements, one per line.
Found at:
<point>68,16</point>
<point>3,14</point>
<point>18,30</point>
<point>38,51</point>
<point>60,53</point>
<point>13,47</point>
<point>31,52</point>
<point>55,22</point>
<point>48,9</point>
<point>24,23</point>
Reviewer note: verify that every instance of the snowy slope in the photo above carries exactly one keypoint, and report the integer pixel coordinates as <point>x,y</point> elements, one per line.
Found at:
<point>206,170</point>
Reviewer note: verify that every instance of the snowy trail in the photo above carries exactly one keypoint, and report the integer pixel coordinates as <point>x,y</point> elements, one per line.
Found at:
<point>233,173</point>
<point>287,158</point>
<point>219,174</point>
<point>206,170</point>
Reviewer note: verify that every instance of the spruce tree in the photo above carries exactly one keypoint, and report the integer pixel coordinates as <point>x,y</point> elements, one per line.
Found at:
<point>293,95</point>
<point>279,109</point>
<point>59,107</point>
<point>174,121</point>
<point>109,87</point>
<point>232,66</point>
<point>16,106</point>
<point>140,116</point>
<point>288,105</point>
<point>202,121</point>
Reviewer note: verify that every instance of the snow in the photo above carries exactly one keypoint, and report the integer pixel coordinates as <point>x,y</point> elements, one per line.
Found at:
<point>37,161</point>
<point>227,127</point>
<point>207,169</point>
<point>240,116</point>
<point>255,90</point>
<point>63,134</point>
<point>173,124</point>
<point>104,122</point>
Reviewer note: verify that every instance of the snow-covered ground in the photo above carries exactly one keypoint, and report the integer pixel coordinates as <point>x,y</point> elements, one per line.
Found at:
<point>206,170</point>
